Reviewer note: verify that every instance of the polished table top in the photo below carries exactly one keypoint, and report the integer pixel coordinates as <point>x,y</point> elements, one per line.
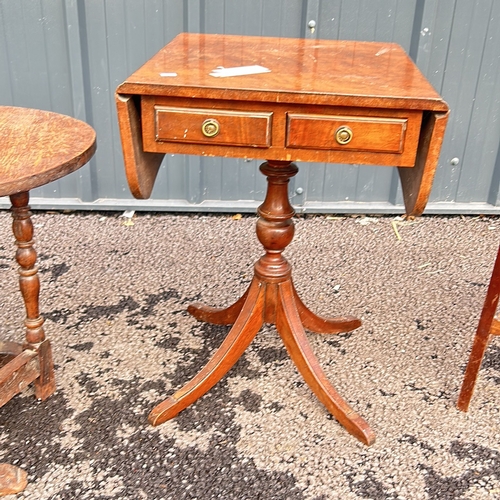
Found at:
<point>375,74</point>
<point>37,147</point>
<point>291,112</point>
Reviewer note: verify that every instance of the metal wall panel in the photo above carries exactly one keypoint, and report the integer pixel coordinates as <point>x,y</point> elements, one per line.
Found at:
<point>460,54</point>
<point>34,67</point>
<point>69,55</point>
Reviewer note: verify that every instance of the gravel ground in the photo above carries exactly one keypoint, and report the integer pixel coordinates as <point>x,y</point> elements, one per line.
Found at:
<point>115,295</point>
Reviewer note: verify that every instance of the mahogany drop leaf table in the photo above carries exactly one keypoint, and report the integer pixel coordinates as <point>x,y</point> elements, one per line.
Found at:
<point>311,100</point>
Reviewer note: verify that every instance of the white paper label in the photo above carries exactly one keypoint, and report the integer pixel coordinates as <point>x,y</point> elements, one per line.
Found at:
<point>239,71</point>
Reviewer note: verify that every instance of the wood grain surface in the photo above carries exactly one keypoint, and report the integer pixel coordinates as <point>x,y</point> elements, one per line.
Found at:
<point>347,73</point>
<point>37,147</point>
<point>313,89</point>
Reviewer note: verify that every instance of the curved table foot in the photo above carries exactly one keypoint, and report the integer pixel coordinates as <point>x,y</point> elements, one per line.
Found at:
<point>234,345</point>
<point>12,479</point>
<point>218,316</point>
<point>318,324</point>
<point>289,325</point>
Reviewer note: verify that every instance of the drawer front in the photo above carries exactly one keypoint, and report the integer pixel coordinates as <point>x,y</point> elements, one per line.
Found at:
<point>350,133</point>
<point>206,126</point>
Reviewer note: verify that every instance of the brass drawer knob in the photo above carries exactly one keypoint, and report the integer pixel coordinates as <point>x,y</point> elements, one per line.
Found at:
<point>343,135</point>
<point>210,127</point>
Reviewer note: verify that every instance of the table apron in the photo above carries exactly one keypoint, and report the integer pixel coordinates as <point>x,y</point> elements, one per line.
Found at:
<point>280,131</point>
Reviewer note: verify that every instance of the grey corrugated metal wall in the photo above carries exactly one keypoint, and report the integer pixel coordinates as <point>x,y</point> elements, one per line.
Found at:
<point>69,55</point>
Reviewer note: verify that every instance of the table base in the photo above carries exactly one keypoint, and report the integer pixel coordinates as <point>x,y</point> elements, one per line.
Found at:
<point>271,298</point>
<point>21,364</point>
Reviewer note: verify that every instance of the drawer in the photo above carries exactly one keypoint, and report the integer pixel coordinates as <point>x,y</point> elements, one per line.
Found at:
<point>351,133</point>
<point>206,126</point>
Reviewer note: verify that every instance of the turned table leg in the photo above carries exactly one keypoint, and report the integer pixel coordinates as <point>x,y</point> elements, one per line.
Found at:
<point>32,361</point>
<point>486,328</point>
<point>271,298</point>
<point>29,285</point>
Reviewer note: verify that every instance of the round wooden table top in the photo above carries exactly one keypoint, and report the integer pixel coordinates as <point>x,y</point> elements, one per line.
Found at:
<point>38,147</point>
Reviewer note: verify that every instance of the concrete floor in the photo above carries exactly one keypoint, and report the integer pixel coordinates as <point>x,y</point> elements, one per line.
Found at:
<point>115,294</point>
